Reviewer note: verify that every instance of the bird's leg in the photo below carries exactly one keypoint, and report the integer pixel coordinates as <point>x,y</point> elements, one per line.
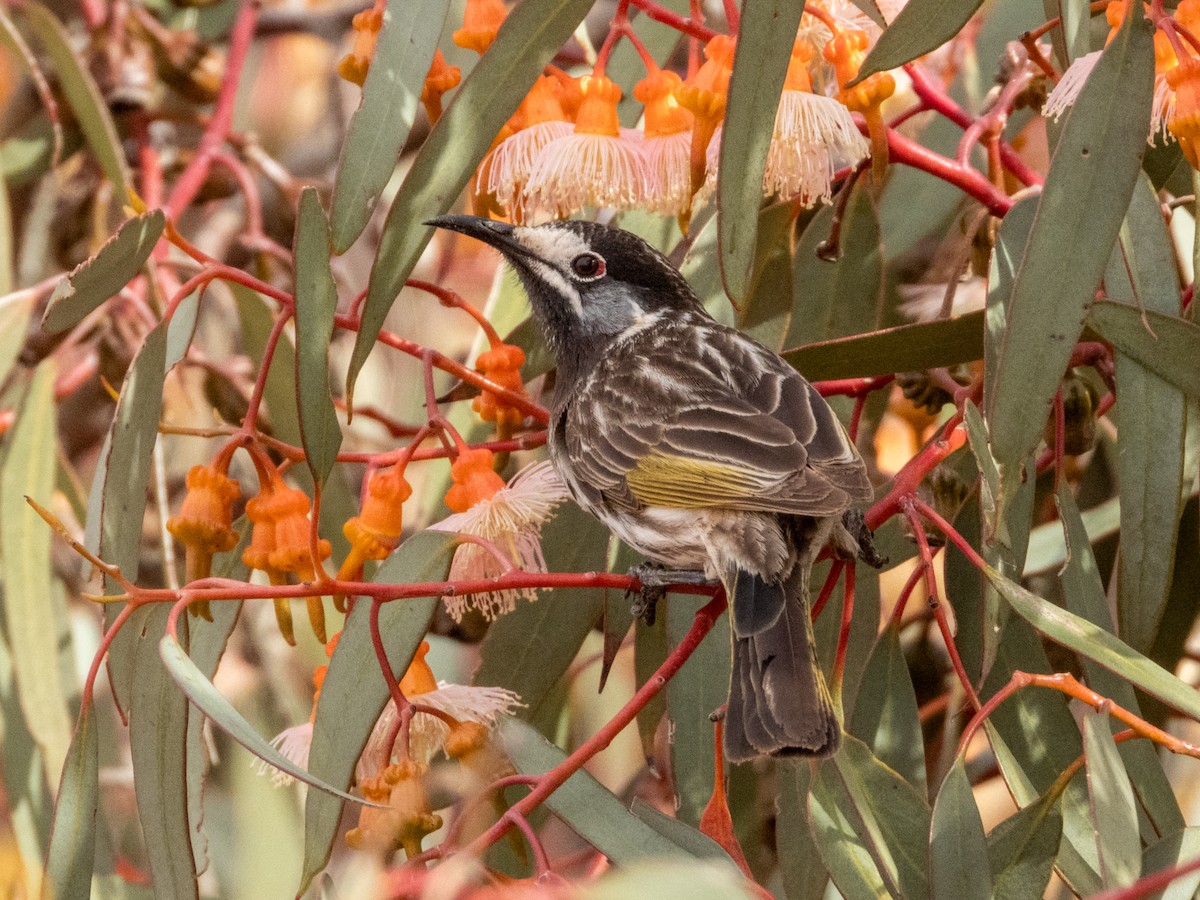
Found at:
<point>855,524</point>
<point>654,579</point>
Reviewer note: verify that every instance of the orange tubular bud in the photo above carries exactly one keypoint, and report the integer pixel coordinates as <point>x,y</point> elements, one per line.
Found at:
<point>279,546</point>
<point>664,114</point>
<point>408,818</point>
<point>1184,123</point>
<point>846,50</point>
<point>419,677</point>
<point>481,22</point>
<point>204,524</point>
<point>502,364</point>
<point>375,532</point>
<point>598,110</point>
<point>703,94</point>
<point>355,64</point>
<point>474,479</point>
<point>441,78</point>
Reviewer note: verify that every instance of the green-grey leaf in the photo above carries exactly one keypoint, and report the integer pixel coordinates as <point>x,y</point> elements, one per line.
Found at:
<point>316,302</point>
<point>902,348</point>
<point>697,689</point>
<point>1092,175</point>
<point>28,469</point>
<point>213,704</point>
<point>593,812</point>
<point>381,123</point>
<point>529,649</point>
<point>687,838</point>
<point>1091,641</point>
<point>72,853</point>
<point>834,299</point>
<point>764,49</point>
<point>800,865</point>
<point>1022,848</point>
<point>1011,240</point>
<point>885,715</point>
<point>117,500</point>
<point>82,94</point>
<point>354,692</point>
<point>921,26</point>
<point>1151,420</point>
<point>529,38</point>
<point>1114,814</point>
<point>1163,344</point>
<point>958,850</point>
<point>871,826</point>
<point>1173,850</point>
<point>158,724</point>
<point>1084,591</point>
<point>103,275</point>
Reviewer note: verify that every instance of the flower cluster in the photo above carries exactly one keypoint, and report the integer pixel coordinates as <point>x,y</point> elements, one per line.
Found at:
<point>564,150</point>
<point>1176,109</point>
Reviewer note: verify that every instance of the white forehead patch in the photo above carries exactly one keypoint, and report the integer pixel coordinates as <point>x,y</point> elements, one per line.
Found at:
<point>558,246</point>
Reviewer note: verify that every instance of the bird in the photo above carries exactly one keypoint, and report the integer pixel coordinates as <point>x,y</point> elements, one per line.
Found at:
<point>701,449</point>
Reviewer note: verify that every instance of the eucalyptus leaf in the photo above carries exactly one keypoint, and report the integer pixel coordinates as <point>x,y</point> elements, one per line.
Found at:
<point>1162,343</point>
<point>921,26</point>
<point>1089,640</point>
<point>529,649</point>
<point>71,857</point>
<point>82,94</point>
<point>379,127</point>
<point>885,715</point>
<point>103,275</point>
<point>158,724</point>
<point>958,850</point>
<point>764,49</point>
<point>28,469</point>
<point>1113,811</point>
<point>1151,419</point>
<point>870,825</point>
<point>1022,848</point>
<point>1092,175</point>
<point>594,813</point>
<point>316,303</point>
<point>901,348</point>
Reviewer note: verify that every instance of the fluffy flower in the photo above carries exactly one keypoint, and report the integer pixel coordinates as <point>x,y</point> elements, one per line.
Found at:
<point>511,518</point>
<point>427,734</point>
<point>667,144</point>
<point>294,743</point>
<point>598,164</point>
<point>539,120</point>
<point>814,136</point>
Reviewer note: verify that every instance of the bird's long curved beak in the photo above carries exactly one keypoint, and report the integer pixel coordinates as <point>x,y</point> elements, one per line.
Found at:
<point>497,234</point>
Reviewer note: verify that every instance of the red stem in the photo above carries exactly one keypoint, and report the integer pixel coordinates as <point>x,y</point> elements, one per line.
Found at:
<point>217,130</point>
<point>551,781</point>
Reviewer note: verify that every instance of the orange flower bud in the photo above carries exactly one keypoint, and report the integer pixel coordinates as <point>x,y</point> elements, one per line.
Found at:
<point>664,115</point>
<point>204,524</point>
<point>474,479</point>
<point>704,92</point>
<point>419,677</point>
<point>598,111</point>
<point>441,78</point>
<point>205,518</point>
<point>1184,123</point>
<point>502,364</point>
<point>355,64</point>
<point>408,818</point>
<point>279,546</point>
<point>481,21</point>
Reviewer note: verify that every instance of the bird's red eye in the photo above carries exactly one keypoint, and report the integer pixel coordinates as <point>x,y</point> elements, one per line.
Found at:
<point>588,265</point>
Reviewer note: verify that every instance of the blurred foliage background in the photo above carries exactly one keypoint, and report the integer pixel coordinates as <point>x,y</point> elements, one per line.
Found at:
<point>999,304</point>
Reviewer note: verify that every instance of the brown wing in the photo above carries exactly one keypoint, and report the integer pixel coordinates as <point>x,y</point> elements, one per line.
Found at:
<point>691,414</point>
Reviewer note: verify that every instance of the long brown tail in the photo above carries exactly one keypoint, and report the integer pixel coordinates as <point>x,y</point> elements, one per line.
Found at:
<point>779,704</point>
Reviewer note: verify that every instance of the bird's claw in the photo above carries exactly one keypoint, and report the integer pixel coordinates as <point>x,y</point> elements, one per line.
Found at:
<point>855,522</point>
<point>653,580</point>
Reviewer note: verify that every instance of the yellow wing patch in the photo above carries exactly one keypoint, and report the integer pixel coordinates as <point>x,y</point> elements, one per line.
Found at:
<point>680,482</point>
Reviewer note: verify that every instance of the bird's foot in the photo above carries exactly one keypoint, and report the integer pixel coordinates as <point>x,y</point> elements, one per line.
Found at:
<point>856,524</point>
<point>654,579</point>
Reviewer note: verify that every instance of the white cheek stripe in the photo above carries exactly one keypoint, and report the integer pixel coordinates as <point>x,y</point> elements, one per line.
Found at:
<point>554,278</point>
